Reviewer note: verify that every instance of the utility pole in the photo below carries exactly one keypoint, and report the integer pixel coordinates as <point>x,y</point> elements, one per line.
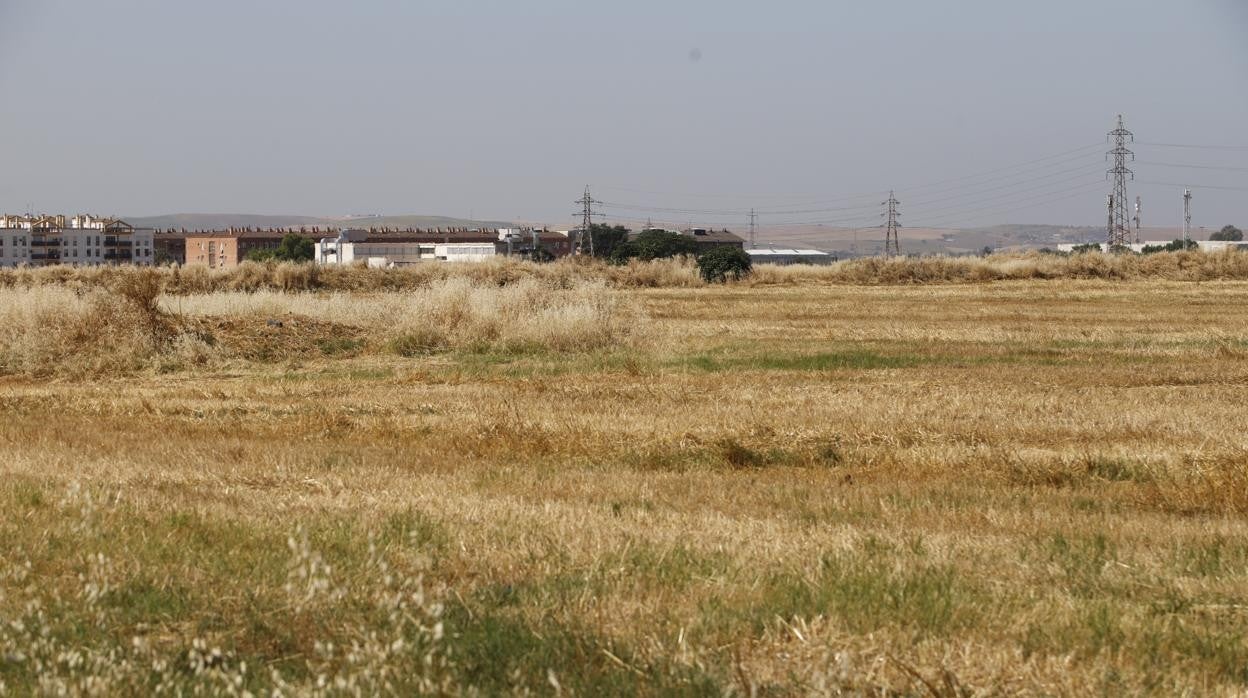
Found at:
<point>892,246</point>
<point>1109,224</point>
<point>585,242</point>
<point>1119,232</point>
<point>1137,220</point>
<point>753,226</point>
<point>1187,215</point>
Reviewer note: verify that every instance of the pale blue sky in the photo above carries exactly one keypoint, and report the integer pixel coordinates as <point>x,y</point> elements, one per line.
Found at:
<point>507,109</point>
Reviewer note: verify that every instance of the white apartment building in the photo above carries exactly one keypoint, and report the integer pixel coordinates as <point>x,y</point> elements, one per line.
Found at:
<point>83,240</point>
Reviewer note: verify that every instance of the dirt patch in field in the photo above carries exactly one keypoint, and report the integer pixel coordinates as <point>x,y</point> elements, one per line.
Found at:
<point>277,339</point>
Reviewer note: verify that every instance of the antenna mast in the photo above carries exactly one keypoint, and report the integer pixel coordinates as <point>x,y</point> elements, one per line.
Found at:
<point>1187,215</point>
<point>1137,220</point>
<point>753,226</point>
<point>1119,232</point>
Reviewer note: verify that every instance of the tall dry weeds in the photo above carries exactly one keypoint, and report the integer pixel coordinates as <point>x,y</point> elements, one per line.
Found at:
<point>124,325</point>
<point>50,330</point>
<point>663,273</point>
<point>455,313</point>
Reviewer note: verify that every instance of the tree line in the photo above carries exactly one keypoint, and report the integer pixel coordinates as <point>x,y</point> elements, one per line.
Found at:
<point>613,243</point>
<point>618,245</point>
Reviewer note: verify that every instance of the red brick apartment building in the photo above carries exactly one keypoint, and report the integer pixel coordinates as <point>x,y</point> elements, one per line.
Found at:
<point>223,249</point>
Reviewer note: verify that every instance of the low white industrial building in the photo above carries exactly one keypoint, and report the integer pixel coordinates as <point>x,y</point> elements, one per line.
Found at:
<point>1203,245</point>
<point>775,255</point>
<point>353,246</point>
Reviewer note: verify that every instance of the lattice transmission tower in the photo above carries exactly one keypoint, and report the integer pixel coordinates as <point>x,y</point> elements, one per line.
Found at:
<point>892,246</point>
<point>585,241</point>
<point>1119,224</point>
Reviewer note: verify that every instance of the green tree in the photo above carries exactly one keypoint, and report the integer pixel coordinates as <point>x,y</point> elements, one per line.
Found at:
<point>719,264</point>
<point>607,238</point>
<point>1229,233</point>
<point>1089,247</point>
<point>293,248</point>
<point>655,244</point>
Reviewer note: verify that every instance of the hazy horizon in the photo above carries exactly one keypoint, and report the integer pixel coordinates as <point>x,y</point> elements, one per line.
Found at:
<point>694,112</point>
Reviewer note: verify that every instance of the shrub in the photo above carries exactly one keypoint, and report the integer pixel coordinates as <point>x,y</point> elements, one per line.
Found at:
<point>721,263</point>
<point>1175,246</point>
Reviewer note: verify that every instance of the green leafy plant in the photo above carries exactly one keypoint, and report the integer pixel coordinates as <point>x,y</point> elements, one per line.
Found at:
<point>719,264</point>
<point>293,248</point>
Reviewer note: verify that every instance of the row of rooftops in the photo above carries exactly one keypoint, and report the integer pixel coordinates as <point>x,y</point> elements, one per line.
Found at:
<point>379,234</point>
<point>389,234</point>
<point>83,221</point>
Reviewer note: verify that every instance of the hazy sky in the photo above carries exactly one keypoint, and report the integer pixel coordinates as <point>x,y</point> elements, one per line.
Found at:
<point>507,109</point>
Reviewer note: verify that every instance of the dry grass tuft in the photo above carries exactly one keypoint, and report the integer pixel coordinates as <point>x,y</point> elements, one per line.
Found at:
<point>51,330</point>
<point>126,326</point>
<point>666,273</point>
<point>1176,266</point>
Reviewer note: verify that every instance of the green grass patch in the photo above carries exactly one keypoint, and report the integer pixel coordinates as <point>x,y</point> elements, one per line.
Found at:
<point>825,361</point>
<point>866,590</point>
<point>1212,558</point>
<point>501,654</point>
<point>339,346</point>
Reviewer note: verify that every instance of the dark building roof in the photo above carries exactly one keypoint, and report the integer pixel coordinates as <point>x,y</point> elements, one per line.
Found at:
<point>719,237</point>
<point>373,234</point>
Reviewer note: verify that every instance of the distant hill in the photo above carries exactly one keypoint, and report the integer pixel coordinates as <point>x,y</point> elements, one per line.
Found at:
<point>415,222</point>
<point>218,221</point>
<point>221,221</point>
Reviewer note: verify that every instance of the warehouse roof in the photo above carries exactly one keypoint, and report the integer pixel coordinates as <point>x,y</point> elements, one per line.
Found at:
<point>787,252</point>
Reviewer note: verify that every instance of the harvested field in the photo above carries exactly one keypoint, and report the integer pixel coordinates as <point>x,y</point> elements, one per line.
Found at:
<point>793,485</point>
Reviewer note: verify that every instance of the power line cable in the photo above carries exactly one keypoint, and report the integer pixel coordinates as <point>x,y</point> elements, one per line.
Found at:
<point>1008,208</point>
<point>1190,146</point>
<point>815,199</point>
<point>1193,167</point>
<point>1027,195</point>
<point>1012,185</point>
<point>1080,149</point>
<point>745,213</point>
<point>936,188</point>
<point>1192,186</point>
